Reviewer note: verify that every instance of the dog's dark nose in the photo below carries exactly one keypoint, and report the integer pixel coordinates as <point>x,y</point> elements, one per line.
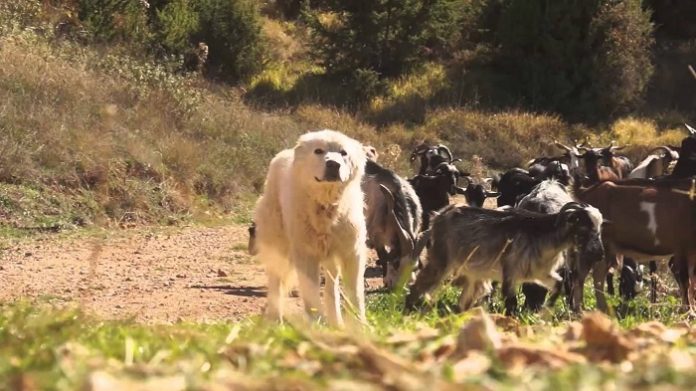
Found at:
<point>332,170</point>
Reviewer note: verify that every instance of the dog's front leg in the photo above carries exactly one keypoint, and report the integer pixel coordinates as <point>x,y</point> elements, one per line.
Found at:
<point>332,295</point>
<point>308,278</point>
<point>353,272</point>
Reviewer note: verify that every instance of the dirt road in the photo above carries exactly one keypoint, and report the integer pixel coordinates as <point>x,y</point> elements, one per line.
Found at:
<point>150,275</point>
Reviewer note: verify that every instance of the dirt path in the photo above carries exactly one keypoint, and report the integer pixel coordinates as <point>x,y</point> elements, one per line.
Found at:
<point>150,275</point>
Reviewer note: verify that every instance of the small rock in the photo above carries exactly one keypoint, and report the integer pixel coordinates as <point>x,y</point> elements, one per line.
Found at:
<point>221,273</point>
<point>181,275</point>
<point>27,254</point>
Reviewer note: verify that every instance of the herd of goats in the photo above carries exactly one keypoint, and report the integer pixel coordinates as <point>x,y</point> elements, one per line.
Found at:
<point>586,210</point>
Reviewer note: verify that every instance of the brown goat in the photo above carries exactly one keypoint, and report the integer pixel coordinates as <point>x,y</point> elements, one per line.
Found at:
<point>648,220</point>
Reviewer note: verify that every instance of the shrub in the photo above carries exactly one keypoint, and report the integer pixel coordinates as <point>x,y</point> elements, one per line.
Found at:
<point>559,53</point>
<point>675,17</point>
<point>177,22</point>
<point>621,67</point>
<point>18,14</point>
<point>115,20</point>
<point>385,36</point>
<point>232,31</point>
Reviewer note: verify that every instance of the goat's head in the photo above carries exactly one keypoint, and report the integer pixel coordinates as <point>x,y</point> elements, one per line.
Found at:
<point>397,269</point>
<point>476,194</point>
<point>452,173</point>
<point>607,153</point>
<point>572,154</point>
<point>431,156</point>
<point>559,171</point>
<point>584,223</point>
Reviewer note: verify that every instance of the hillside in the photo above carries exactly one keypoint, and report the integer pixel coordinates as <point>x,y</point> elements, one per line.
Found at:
<point>96,134</point>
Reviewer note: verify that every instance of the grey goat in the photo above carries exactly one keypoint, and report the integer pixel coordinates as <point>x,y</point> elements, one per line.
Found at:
<point>393,217</point>
<point>479,245</point>
<point>549,197</point>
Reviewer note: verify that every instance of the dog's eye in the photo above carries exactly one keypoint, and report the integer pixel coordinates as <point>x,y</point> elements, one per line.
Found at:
<point>343,152</point>
<point>319,151</point>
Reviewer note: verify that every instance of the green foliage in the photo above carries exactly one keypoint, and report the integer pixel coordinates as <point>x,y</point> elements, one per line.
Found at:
<point>675,17</point>
<point>291,9</point>
<point>124,21</point>
<point>177,23</point>
<point>16,15</point>
<point>558,54</point>
<point>232,31</point>
<point>622,65</point>
<point>385,36</point>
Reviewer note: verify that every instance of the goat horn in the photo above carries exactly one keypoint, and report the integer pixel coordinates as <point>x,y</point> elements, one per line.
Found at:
<point>562,146</point>
<point>406,243</point>
<point>447,151</point>
<point>663,148</point>
<point>691,130</point>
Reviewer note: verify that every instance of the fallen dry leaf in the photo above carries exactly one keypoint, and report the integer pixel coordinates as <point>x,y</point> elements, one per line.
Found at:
<point>103,381</point>
<point>478,334</point>
<point>474,363</point>
<point>604,339</point>
<point>520,356</point>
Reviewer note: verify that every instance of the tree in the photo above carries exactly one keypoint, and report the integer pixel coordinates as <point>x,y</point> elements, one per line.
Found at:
<point>587,58</point>
<point>387,37</point>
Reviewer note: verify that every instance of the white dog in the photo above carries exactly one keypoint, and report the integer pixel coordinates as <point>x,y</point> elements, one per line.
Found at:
<point>311,215</point>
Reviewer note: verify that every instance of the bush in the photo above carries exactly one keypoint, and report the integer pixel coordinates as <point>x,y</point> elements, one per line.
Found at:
<point>18,14</point>
<point>116,20</point>
<point>385,36</point>
<point>675,17</point>
<point>177,22</point>
<point>558,54</point>
<point>232,31</point>
<point>622,66</point>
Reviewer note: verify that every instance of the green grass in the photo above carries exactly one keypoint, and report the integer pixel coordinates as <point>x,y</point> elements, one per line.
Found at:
<point>63,349</point>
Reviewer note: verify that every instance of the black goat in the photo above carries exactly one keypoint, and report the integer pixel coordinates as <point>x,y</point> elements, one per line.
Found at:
<point>431,157</point>
<point>434,191</point>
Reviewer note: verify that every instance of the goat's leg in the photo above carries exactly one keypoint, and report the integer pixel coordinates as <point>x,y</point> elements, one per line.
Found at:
<point>466,297</point>
<point>559,287</point>
<point>653,281</point>
<point>510,297</point>
<point>691,265</point>
<point>435,270</point>
<point>599,275</point>
<point>628,280</point>
<point>383,259</point>
<point>610,282</point>
<point>679,267</point>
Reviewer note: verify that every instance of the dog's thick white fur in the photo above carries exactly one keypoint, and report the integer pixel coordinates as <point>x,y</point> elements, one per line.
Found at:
<point>310,216</point>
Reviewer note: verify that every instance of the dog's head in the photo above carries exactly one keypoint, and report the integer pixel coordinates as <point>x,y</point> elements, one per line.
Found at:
<point>328,157</point>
